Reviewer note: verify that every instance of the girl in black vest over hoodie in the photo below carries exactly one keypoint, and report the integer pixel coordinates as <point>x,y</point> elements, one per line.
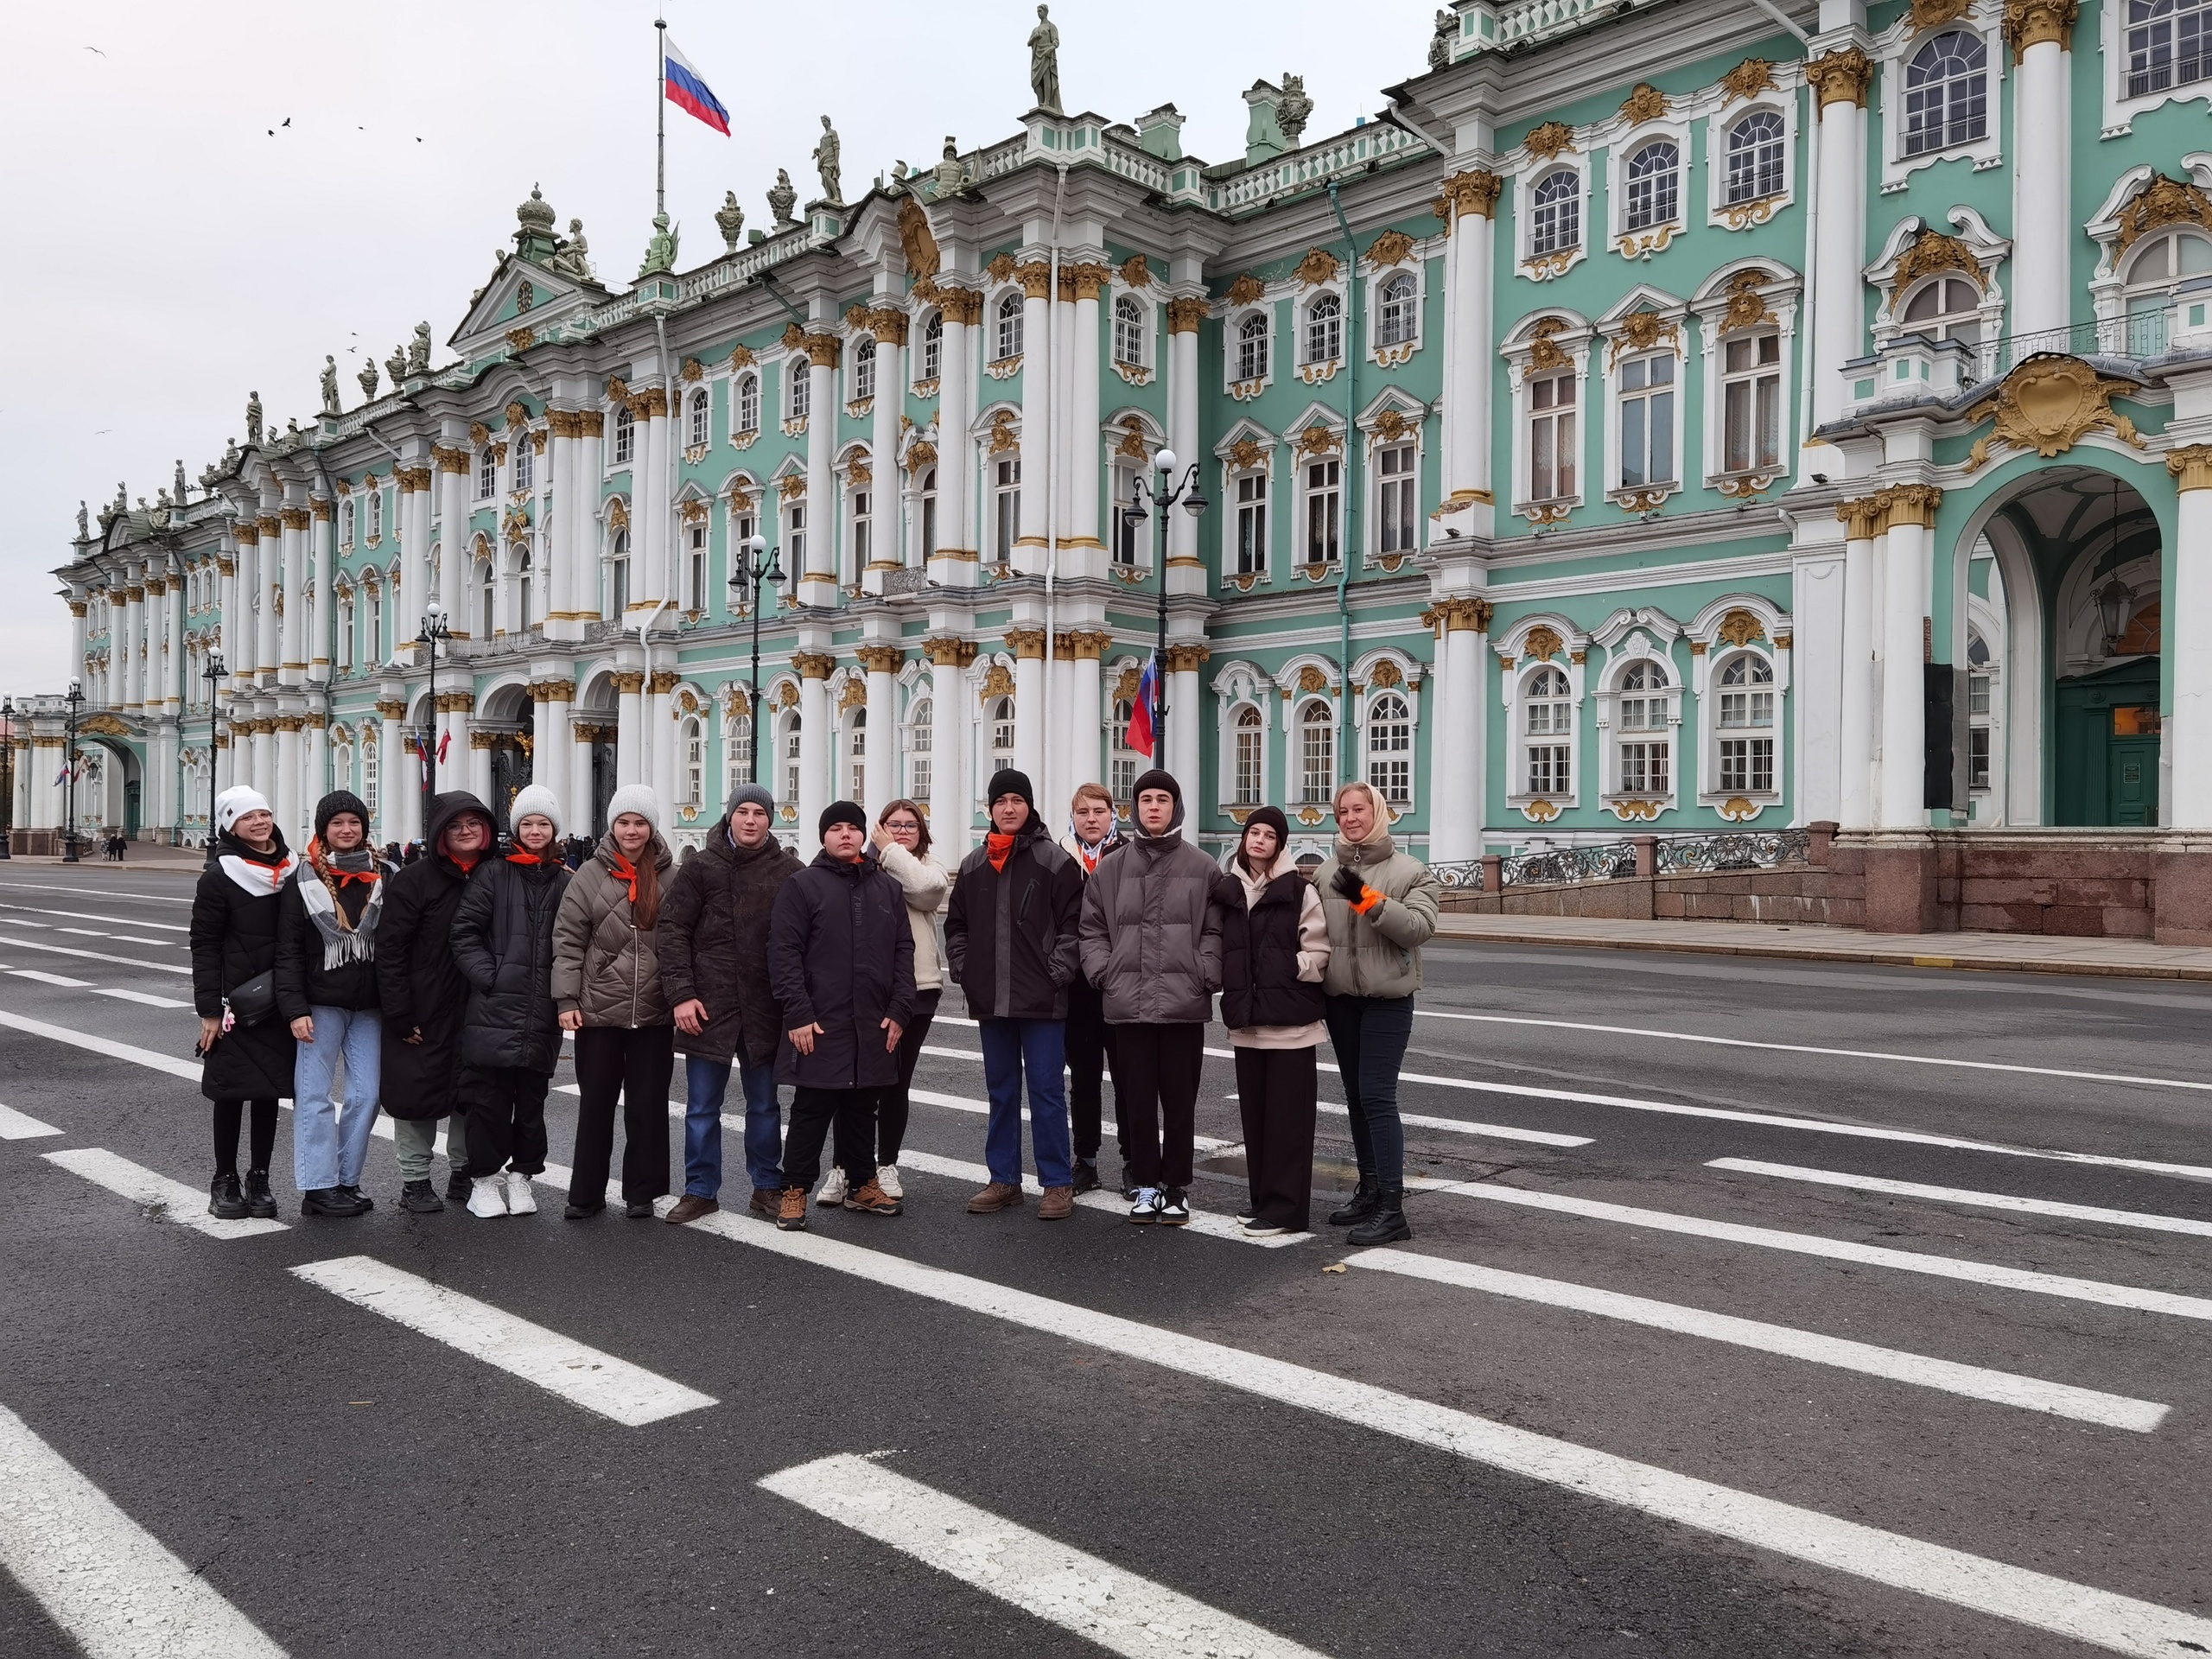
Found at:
<point>1274,948</point>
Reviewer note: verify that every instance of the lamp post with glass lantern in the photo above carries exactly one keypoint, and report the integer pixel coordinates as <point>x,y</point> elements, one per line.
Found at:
<point>7,775</point>
<point>751,577</point>
<point>213,674</point>
<point>1150,500</point>
<point>433,632</point>
<point>74,695</point>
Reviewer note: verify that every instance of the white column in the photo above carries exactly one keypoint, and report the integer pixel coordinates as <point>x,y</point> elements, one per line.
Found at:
<point>324,612</point>
<point>648,558</point>
<point>1457,726</point>
<point>815,743</point>
<point>629,751</point>
<point>1061,755</point>
<point>1839,79</point>
<point>1856,728</point>
<point>882,663</point>
<point>951,794</point>
<point>454,560</point>
<point>1184,317</point>
<point>2190,628</point>
<point>954,564</point>
<point>1084,462</point>
<point>177,690</point>
<point>2042,131</point>
<point>238,589</point>
<point>819,581</point>
<point>479,768</point>
<point>660,724</point>
<point>1082,699</point>
<point>1184,699</point>
<point>580,803</point>
<point>890,326</point>
<point>1473,195</point>
<point>314,782</point>
<point>1905,610</point>
<point>292,626</point>
<point>1028,647</point>
<point>267,649</point>
<point>395,773</point>
<point>1036,415</point>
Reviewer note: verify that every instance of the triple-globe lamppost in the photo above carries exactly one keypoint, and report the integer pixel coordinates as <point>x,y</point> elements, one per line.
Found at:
<point>433,632</point>
<point>754,573</point>
<point>214,675</point>
<point>73,697</point>
<point>1152,501</point>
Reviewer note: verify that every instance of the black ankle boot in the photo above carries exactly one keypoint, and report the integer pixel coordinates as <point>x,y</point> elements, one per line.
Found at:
<point>1388,1224</point>
<point>226,1202</point>
<point>259,1201</point>
<point>1360,1206</point>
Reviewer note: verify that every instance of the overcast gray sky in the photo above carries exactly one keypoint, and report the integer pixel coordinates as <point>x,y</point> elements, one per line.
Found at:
<point>170,244</point>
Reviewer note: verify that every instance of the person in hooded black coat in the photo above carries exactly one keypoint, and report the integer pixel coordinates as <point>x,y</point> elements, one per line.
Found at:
<point>425,996</point>
<point>233,941</point>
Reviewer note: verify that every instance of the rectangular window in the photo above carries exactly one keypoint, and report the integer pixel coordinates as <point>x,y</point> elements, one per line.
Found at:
<point>1251,524</point>
<point>2168,45</point>
<point>1318,762</point>
<point>1128,534</point>
<point>1551,437</point>
<point>619,583</point>
<point>1397,505</point>
<point>1548,769</point>
<point>1747,764</point>
<point>370,781</point>
<point>1249,740</point>
<point>1742,709</point>
<point>1978,694</point>
<point>1752,403</point>
<point>697,571</point>
<point>863,529</point>
<point>1005,514</point>
<point>1124,781</point>
<point>1647,396</point>
<point>1644,768</point>
<point>1977,758</point>
<point>1324,500</point>
<point>795,541</point>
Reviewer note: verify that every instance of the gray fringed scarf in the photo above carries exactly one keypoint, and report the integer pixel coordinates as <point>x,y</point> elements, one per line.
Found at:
<point>341,942</point>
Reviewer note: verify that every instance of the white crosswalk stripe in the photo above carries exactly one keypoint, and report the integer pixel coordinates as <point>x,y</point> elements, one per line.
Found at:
<point>1207,1222</point>
<point>2144,1219</point>
<point>160,1196</point>
<point>44,978</point>
<point>98,956</point>
<point>21,1126</point>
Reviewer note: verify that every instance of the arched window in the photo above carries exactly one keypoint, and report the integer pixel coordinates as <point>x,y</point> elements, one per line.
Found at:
<point>694,569</point>
<point>1655,183</point>
<point>933,353</point>
<point>520,564</point>
<point>1251,756</point>
<point>1128,331</point>
<point>1945,308</point>
<point>375,641</point>
<point>1001,716</point>
<point>921,745</point>
<point>1317,752</point>
<point>864,368</point>
<point>370,780</point>
<point>1549,721</point>
<point>1397,307</point>
<point>1555,213</point>
<point>1010,328</point>
<point>487,474</point>
<point>626,436</point>
<point>798,370</point>
<point>1122,761</point>
<point>790,757</point>
<point>1324,329</point>
<point>346,630</point>
<point>344,527</point>
<point>618,576</point>
<point>1390,749</point>
<point>2158,262</point>
<point>1747,725</point>
<point>1946,93</point>
<point>696,422</point>
<point>1252,347</point>
<point>487,589</point>
<point>692,789</point>
<point>747,403</point>
<point>1981,709</point>
<point>926,516</point>
<point>376,515</point>
<point>1755,157</point>
<point>2169,44</point>
<point>737,748</point>
<point>526,461</point>
<point>856,754</point>
<point>1644,744</point>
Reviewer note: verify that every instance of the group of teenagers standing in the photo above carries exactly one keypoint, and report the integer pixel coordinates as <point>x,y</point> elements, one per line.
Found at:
<point>446,988</point>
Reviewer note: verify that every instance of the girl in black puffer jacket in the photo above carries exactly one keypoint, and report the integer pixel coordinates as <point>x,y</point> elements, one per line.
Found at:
<point>246,1047</point>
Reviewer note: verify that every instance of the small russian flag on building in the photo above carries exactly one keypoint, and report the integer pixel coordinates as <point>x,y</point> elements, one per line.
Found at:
<point>1140,733</point>
<point>688,90</point>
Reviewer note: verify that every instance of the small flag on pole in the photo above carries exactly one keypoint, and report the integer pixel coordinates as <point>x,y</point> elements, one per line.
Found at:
<point>1140,734</point>
<point>688,90</point>
<point>445,742</point>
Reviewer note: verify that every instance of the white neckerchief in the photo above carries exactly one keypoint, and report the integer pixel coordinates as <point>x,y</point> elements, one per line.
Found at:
<point>261,880</point>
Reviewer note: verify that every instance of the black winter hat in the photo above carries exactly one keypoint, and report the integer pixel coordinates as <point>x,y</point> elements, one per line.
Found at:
<point>338,801</point>
<point>1273,817</point>
<point>1158,779</point>
<point>841,812</point>
<point>1007,781</point>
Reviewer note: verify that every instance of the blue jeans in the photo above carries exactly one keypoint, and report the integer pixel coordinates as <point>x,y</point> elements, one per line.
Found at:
<point>705,1084</point>
<point>1037,1048</point>
<point>328,1145</point>
<point>1369,1034</point>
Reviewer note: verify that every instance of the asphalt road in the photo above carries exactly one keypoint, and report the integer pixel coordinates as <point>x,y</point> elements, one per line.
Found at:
<point>1611,1398</point>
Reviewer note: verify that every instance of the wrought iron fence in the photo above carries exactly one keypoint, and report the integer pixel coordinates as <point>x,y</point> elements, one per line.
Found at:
<point>2142,335</point>
<point>1742,849</point>
<point>1464,875</point>
<point>1610,861</point>
<point>1602,862</point>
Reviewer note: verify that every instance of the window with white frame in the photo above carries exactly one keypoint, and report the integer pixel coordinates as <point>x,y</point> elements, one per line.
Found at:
<point>345,631</point>
<point>1122,760</point>
<point>376,626</point>
<point>790,757</point>
<point>1755,153</point>
<point>933,353</point>
<point>856,754</point>
<point>862,540</point>
<point>618,576</point>
<point>520,561</point>
<point>487,591</point>
<point>1128,331</point>
<point>691,788</point>
<point>1251,741</point>
<point>1548,723</point>
<point>626,436</point>
<point>864,369</point>
<point>1324,504</point>
<point>999,717</point>
<point>925,515</point>
<point>1653,190</point>
<point>1946,93</point>
<point>1751,402</point>
<point>1982,703</point>
<point>2168,45</point>
<point>1252,347</point>
<point>697,420</point>
<point>1391,748</point>
<point>1397,310</point>
<point>737,751</point>
<point>744,524</point>
<point>799,396</point>
<point>921,743</point>
<point>1324,328</point>
<point>794,537</point>
<point>345,522</point>
<point>746,404</point>
<point>1944,307</point>
<point>487,474</point>
<point>1747,725</point>
<point>376,515</point>
<point>1640,718</point>
<point>1129,540</point>
<point>1552,436</point>
<point>372,780</point>
<point>1005,507</point>
<point>1317,752</point>
<point>2156,266</point>
<point>1647,420</point>
<point>694,569</point>
<point>1555,213</point>
<point>1008,332</point>
<point>1251,524</point>
<point>1397,503</point>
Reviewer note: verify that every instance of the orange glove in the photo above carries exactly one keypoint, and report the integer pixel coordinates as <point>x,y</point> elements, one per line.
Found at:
<point>1368,899</point>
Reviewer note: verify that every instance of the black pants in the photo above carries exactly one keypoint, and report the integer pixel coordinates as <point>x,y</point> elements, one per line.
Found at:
<point>1275,1092</point>
<point>813,1110</point>
<point>1156,1100</point>
<point>891,1111</point>
<point>1090,1054</point>
<point>228,1115</point>
<point>1369,1034</point>
<point>636,1063</point>
<point>506,1119</point>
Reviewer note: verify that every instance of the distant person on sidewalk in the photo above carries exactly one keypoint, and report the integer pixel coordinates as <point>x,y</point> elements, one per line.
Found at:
<point>1381,905</point>
<point>1151,945</point>
<point>902,845</point>
<point>1091,836</point>
<point>714,971</point>
<point>511,1039</point>
<point>326,920</point>
<point>1010,942</point>
<point>1274,950</point>
<point>248,1052</point>
<point>840,953</point>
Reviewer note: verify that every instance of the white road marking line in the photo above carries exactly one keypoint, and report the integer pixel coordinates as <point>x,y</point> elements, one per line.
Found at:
<point>615,1388</point>
<point>114,1588</point>
<point>1840,1249</point>
<point>1975,1381</point>
<point>98,956</point>
<point>1205,1143</point>
<point>1460,1126</point>
<point>1202,1221</point>
<point>88,916</point>
<point>97,892</point>
<point>180,1203</point>
<point>44,978</point>
<point>2119,1624</point>
<point>1103,1604</point>
<point>113,1050</point>
<point>168,944</point>
<point>145,998</point>
<point>1810,1048</point>
<point>20,1126</point>
<point>2142,1219</point>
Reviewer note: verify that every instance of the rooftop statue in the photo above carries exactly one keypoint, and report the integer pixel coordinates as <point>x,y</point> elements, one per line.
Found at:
<point>418,353</point>
<point>368,378</point>
<point>782,198</point>
<point>1295,110</point>
<point>951,177</point>
<point>329,384</point>
<point>84,531</point>
<point>660,249</point>
<point>572,257</point>
<point>1044,63</point>
<point>253,417</point>
<point>826,162</point>
<point>731,217</point>
<point>395,366</point>
<point>1440,44</point>
<point>180,489</point>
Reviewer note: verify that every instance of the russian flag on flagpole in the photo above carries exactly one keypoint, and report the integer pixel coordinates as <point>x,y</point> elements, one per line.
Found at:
<point>1140,734</point>
<point>688,90</point>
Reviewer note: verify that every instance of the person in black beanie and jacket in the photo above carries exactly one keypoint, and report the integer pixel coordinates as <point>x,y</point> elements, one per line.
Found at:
<point>247,1049</point>
<point>425,998</point>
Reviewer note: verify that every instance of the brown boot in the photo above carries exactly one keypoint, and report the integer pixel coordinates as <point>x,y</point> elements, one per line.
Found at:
<point>766,1201</point>
<point>1058,1203</point>
<point>873,1198</point>
<point>994,1197</point>
<point>790,1210</point>
<point>690,1207</point>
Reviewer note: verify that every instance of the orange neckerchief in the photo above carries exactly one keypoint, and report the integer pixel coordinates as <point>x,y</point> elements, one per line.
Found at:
<point>1001,848</point>
<point>518,856</point>
<point>625,871</point>
<point>318,856</point>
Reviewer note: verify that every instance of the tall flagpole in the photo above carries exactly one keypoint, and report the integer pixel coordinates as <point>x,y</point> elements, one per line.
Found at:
<point>660,121</point>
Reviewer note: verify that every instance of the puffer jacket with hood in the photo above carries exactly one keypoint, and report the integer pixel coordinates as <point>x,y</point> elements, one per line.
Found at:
<point>1274,951</point>
<point>1151,936</point>
<point>233,936</point>
<point>418,982</point>
<point>503,941</point>
<point>1378,954</point>
<point>604,964</point>
<point>841,951</point>
<point>1010,935</point>
<point>713,944</point>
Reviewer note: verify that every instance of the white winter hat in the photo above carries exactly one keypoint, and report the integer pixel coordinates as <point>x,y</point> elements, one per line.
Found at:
<point>535,801</point>
<point>235,803</point>
<point>635,797</point>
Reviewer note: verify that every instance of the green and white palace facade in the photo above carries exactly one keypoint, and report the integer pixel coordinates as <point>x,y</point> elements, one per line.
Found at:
<point>1608,437</point>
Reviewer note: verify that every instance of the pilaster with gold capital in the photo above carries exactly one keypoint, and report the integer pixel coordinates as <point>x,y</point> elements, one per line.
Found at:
<point>814,664</point>
<point>1026,644</point>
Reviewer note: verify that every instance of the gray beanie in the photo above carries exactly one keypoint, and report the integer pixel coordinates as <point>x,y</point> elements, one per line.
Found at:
<point>754,794</point>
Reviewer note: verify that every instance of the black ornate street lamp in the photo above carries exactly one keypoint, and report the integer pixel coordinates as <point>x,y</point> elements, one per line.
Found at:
<point>74,695</point>
<point>7,775</point>
<point>433,631</point>
<point>213,674</point>
<point>752,577</point>
<point>1150,500</point>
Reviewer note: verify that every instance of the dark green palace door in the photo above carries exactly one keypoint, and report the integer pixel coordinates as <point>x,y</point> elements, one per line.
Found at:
<point>2131,781</point>
<point>2107,740</point>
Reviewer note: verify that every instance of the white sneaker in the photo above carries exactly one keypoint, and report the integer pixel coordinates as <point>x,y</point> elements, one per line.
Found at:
<point>833,1189</point>
<point>488,1197</point>
<point>887,1176</point>
<point>521,1201</point>
<point>1145,1208</point>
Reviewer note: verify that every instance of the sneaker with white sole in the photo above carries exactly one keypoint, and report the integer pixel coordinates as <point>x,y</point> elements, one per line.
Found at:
<point>887,1176</point>
<point>521,1201</point>
<point>488,1197</point>
<point>1258,1229</point>
<point>1174,1212</point>
<point>1144,1209</point>
<point>833,1189</point>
